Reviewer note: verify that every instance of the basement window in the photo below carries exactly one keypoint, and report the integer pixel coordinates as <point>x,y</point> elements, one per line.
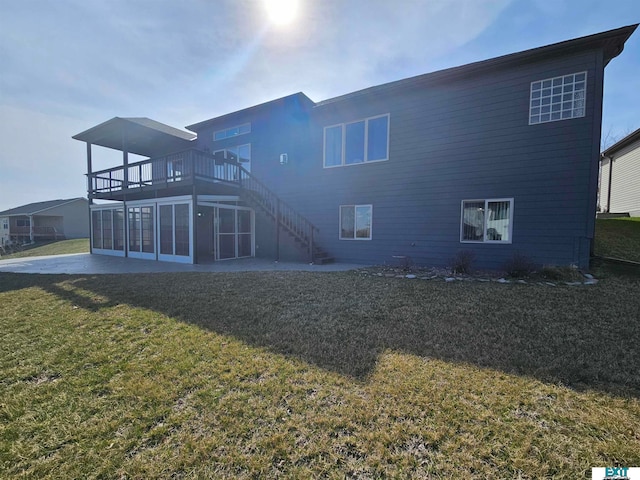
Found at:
<point>355,222</point>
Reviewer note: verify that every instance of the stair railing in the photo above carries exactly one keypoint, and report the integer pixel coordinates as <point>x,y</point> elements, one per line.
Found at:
<point>283,214</point>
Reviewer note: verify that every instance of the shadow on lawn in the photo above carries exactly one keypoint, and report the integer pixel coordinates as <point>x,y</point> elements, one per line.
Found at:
<point>583,337</point>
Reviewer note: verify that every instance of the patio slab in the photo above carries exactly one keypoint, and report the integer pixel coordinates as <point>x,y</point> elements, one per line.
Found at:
<point>85,263</point>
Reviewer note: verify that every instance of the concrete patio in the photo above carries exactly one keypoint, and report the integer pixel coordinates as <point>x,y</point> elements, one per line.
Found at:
<point>85,263</point>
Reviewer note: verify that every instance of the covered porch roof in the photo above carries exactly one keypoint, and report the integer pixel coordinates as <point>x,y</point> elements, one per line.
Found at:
<point>139,135</point>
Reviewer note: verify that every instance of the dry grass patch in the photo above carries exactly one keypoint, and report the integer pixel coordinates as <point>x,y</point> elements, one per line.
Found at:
<point>299,375</point>
<point>61,247</point>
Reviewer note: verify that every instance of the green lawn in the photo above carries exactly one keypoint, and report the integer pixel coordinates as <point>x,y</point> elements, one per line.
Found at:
<point>618,238</point>
<point>298,375</point>
<point>76,245</point>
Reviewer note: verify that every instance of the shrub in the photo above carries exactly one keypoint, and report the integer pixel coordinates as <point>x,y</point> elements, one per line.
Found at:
<point>462,262</point>
<point>568,273</point>
<point>519,265</point>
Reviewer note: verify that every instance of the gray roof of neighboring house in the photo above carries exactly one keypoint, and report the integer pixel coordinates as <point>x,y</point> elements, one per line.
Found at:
<point>620,144</point>
<point>38,207</point>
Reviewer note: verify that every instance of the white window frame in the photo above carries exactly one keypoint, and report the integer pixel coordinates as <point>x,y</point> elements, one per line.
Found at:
<point>172,257</point>
<point>484,232</point>
<point>344,142</point>
<point>355,224</point>
<point>230,132</point>
<point>236,152</point>
<point>561,95</point>
<point>112,251</point>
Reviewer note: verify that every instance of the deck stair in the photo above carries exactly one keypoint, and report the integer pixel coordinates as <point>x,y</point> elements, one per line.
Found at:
<point>301,230</point>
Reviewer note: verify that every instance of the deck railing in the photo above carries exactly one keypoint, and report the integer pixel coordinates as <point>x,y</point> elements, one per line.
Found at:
<point>162,171</point>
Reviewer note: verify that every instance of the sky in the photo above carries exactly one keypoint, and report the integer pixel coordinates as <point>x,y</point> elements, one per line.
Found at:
<point>68,65</point>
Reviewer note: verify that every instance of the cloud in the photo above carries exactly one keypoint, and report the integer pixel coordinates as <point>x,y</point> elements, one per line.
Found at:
<point>74,64</point>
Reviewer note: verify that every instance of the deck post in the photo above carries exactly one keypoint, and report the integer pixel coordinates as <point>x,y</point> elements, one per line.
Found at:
<point>311,246</point>
<point>277,229</point>
<point>125,160</point>
<point>194,219</point>
<point>89,171</point>
<point>90,195</point>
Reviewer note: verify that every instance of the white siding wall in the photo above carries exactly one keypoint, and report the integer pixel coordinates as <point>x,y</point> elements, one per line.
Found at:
<point>625,184</point>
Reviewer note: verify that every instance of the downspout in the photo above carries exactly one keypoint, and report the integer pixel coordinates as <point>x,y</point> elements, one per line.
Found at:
<point>31,228</point>
<point>610,181</point>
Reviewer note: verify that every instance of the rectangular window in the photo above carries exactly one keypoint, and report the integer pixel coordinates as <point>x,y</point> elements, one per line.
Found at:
<point>239,153</point>
<point>182,229</point>
<point>487,220</point>
<point>174,229</point>
<point>558,98</point>
<point>118,229</point>
<point>355,222</point>
<point>333,146</point>
<point>166,229</point>
<point>107,229</point>
<point>96,224</point>
<point>232,132</point>
<point>357,142</point>
<point>174,170</point>
<point>23,222</point>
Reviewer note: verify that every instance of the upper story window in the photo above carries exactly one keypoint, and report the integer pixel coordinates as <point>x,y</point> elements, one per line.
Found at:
<point>487,220</point>
<point>558,98</point>
<point>23,222</point>
<point>357,142</point>
<point>242,153</point>
<point>232,132</point>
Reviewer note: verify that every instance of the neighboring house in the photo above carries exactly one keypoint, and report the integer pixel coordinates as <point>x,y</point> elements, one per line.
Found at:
<point>620,177</point>
<point>52,220</point>
<point>496,157</point>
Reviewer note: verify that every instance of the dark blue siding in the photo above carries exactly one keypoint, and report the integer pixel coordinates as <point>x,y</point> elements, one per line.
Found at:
<point>450,140</point>
<point>456,140</point>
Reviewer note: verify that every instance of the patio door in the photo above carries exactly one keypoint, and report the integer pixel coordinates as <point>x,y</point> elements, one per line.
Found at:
<point>233,233</point>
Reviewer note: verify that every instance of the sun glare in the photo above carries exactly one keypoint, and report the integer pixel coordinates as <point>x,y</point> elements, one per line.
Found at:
<point>281,12</point>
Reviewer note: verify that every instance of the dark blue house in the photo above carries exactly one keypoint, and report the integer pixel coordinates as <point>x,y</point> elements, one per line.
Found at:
<point>496,157</point>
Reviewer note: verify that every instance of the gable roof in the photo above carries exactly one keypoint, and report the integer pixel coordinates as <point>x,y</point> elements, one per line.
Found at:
<point>38,207</point>
<point>612,42</point>
<point>139,135</point>
<point>619,145</point>
<point>300,98</point>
